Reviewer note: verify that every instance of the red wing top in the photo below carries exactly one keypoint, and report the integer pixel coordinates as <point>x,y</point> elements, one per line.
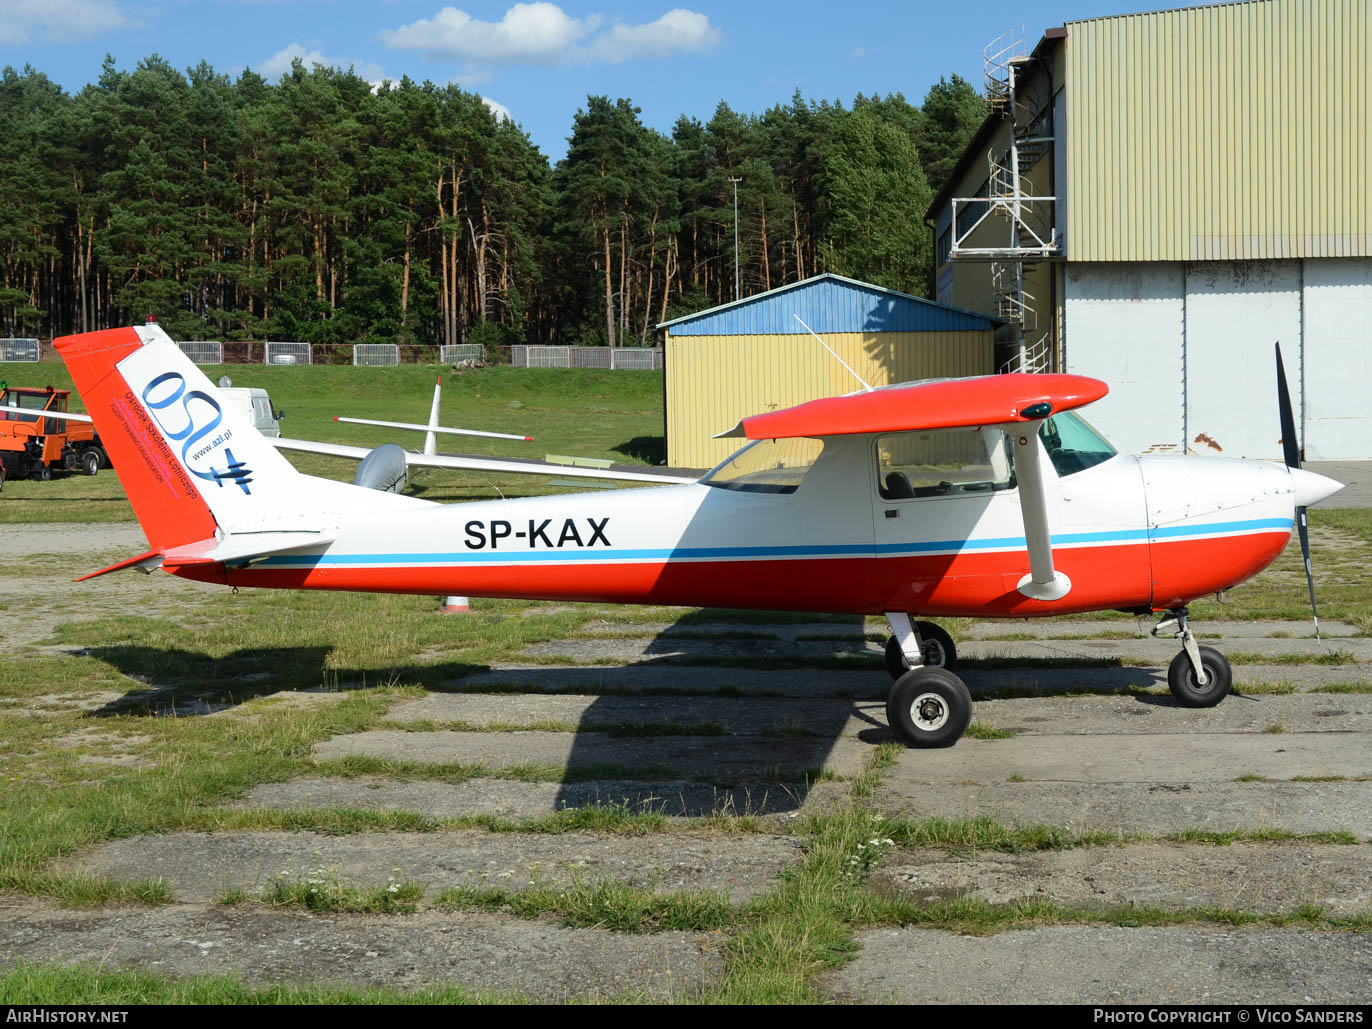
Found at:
<point>947,404</point>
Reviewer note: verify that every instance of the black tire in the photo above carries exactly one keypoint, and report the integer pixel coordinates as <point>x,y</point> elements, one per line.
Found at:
<point>1181,679</point>
<point>42,473</point>
<point>939,650</point>
<point>929,707</point>
<point>89,461</point>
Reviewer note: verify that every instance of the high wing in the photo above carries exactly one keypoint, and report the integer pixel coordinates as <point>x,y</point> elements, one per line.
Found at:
<point>1016,403</point>
<point>465,462</point>
<point>934,404</point>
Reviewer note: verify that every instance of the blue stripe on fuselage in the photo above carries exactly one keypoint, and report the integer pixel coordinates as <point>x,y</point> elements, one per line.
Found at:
<point>753,553</point>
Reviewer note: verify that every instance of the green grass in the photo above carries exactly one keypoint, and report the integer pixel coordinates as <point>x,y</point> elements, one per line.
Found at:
<point>320,890</point>
<point>982,731</point>
<point>603,904</point>
<point>576,412</point>
<point>68,985</point>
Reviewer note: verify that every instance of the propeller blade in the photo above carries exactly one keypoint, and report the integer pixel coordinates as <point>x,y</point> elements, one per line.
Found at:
<point>1291,449</point>
<point>1304,531</point>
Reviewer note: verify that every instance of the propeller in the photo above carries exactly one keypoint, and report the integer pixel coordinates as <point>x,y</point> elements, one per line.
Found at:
<point>1291,451</point>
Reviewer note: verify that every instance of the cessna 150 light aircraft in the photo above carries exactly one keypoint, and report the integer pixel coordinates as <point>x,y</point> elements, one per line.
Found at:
<point>984,497</point>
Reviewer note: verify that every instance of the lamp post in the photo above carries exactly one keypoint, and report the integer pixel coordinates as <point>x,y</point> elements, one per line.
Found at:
<point>735,181</point>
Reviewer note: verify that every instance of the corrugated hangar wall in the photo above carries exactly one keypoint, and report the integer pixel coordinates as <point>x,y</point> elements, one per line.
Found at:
<point>1187,348</point>
<point>1234,131</point>
<point>713,381</point>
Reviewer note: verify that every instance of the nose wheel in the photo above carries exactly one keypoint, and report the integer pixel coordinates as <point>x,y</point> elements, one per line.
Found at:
<point>934,644</point>
<point>1198,676</point>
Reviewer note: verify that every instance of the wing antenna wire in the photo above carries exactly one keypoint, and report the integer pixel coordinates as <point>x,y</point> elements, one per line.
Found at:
<point>867,388</point>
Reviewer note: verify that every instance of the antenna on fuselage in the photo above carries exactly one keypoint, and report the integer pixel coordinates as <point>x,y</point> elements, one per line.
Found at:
<point>827,347</point>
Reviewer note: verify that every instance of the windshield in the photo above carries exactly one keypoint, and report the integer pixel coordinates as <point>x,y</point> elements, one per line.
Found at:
<point>767,466</point>
<point>1072,445</point>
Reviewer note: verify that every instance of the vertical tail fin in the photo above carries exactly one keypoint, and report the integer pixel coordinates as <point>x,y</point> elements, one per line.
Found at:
<point>187,461</point>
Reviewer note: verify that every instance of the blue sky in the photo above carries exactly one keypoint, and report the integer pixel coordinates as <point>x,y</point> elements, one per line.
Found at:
<point>539,60</point>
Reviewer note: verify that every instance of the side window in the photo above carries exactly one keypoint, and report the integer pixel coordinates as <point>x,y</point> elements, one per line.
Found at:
<point>767,466</point>
<point>948,462</point>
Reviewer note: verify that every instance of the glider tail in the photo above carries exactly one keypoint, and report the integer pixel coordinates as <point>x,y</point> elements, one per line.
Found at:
<point>187,460</point>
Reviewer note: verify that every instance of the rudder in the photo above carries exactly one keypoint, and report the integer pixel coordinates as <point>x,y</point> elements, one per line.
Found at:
<point>187,461</point>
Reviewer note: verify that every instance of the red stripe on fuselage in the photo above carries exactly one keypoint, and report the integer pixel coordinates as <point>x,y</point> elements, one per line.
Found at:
<point>968,584</point>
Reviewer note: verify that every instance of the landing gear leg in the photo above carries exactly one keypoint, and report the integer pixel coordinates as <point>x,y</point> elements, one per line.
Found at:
<point>1198,676</point>
<point>928,705</point>
<point>913,644</point>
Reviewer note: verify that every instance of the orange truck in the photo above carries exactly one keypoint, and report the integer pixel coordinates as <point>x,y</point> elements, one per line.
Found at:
<point>34,442</point>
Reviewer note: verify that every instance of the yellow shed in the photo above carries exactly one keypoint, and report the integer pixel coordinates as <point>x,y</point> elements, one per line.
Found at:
<point>755,355</point>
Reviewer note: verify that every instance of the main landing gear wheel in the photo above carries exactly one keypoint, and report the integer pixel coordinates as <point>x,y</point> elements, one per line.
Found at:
<point>937,645</point>
<point>929,707</point>
<point>1181,679</point>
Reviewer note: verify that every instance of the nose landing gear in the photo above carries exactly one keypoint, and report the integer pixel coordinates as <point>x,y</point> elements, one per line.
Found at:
<point>1198,676</point>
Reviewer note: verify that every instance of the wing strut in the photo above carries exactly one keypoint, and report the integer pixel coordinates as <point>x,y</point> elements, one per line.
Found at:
<point>1043,581</point>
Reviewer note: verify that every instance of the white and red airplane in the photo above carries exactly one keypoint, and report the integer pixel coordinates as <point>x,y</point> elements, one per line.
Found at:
<point>984,497</point>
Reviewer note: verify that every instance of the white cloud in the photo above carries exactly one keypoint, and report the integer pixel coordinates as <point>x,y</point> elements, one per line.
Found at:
<point>57,20</point>
<point>678,29</point>
<point>279,64</point>
<point>498,109</point>
<point>538,33</point>
<point>543,33</point>
<point>858,54</point>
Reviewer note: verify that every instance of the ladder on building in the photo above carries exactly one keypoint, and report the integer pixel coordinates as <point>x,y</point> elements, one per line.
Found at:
<point>1024,221</point>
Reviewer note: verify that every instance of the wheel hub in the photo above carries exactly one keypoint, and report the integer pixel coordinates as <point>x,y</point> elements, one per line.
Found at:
<point>929,712</point>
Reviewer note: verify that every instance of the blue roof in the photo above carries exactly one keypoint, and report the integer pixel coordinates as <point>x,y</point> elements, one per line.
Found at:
<point>828,303</point>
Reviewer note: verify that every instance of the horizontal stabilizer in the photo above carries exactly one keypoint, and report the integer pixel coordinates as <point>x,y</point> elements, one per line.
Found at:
<point>243,547</point>
<point>143,562</point>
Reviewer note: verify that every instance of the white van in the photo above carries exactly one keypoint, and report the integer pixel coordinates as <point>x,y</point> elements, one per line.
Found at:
<point>255,405</point>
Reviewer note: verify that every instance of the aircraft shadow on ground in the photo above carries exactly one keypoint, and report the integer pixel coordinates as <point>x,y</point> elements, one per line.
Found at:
<point>186,682</point>
<point>705,723</point>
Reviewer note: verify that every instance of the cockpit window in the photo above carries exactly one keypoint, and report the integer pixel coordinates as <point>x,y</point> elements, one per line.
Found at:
<point>767,466</point>
<point>1072,445</point>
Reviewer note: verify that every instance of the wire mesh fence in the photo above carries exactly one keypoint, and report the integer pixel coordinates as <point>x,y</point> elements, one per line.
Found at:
<point>19,349</point>
<point>376,354</point>
<point>284,352</point>
<point>642,358</point>
<point>203,351</point>
<point>278,352</point>
<point>456,353</point>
